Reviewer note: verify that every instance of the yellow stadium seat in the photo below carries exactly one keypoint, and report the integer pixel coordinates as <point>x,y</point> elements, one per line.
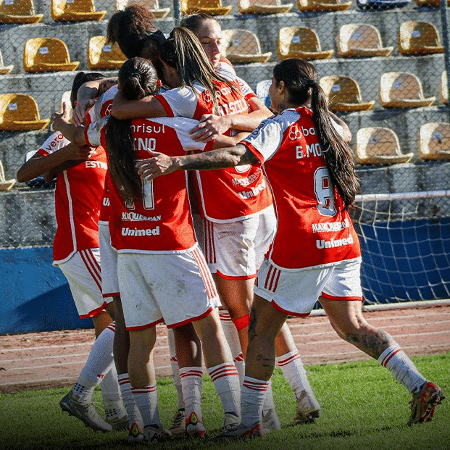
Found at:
<point>18,11</point>
<point>75,11</point>
<point>5,185</point>
<point>152,5</point>
<point>263,7</point>
<point>402,90</point>
<point>242,46</point>
<point>418,38</point>
<point>300,42</point>
<point>322,5</point>
<point>444,88</point>
<point>4,69</point>
<point>433,3</point>
<point>47,55</point>
<point>212,7</point>
<point>104,56</point>
<point>20,112</point>
<point>343,94</point>
<point>434,141</point>
<point>360,40</point>
<point>376,145</point>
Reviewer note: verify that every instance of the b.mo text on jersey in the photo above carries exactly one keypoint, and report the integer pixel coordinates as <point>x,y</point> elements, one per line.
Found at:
<point>311,150</point>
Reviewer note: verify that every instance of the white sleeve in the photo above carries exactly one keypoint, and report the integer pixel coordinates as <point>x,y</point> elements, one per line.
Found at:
<point>338,128</point>
<point>53,143</point>
<point>182,101</point>
<point>245,88</point>
<point>93,132</point>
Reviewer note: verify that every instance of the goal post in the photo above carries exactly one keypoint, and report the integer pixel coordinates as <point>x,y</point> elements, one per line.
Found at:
<point>405,242</point>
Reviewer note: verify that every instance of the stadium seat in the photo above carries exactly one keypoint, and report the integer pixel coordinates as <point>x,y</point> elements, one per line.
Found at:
<point>5,185</point>
<point>152,5</point>
<point>443,91</point>
<point>418,38</point>
<point>376,145</point>
<point>322,5</point>
<point>300,42</point>
<point>360,40</point>
<point>402,90</point>
<point>20,112</point>
<point>104,56</point>
<point>4,69</point>
<point>212,7</point>
<point>431,3</point>
<point>242,46</point>
<point>434,141</point>
<point>263,7</point>
<point>343,94</point>
<point>262,91</point>
<point>47,55</point>
<point>18,11</point>
<point>75,11</point>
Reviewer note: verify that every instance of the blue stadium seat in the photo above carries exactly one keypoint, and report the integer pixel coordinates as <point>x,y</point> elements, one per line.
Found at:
<point>262,91</point>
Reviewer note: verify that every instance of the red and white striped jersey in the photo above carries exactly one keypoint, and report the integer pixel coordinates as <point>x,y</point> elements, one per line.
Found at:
<point>161,221</point>
<point>313,227</point>
<point>78,196</point>
<point>226,195</point>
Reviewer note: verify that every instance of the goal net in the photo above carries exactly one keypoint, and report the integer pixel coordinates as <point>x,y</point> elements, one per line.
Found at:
<point>405,240</point>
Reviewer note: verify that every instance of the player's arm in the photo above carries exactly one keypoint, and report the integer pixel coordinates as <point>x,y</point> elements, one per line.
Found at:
<point>161,164</point>
<point>212,125</point>
<point>222,141</point>
<point>346,133</point>
<point>39,164</point>
<point>61,122</point>
<point>132,109</point>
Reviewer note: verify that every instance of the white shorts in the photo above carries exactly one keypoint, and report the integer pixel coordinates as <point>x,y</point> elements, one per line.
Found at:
<point>235,250</point>
<point>177,288</point>
<point>83,273</point>
<point>295,292</point>
<point>108,254</point>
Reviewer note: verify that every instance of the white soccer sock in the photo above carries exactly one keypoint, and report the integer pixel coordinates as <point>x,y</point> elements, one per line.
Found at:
<point>402,368</point>
<point>99,363</point>
<point>191,382</point>
<point>112,400</point>
<point>134,416</point>
<point>293,370</point>
<point>175,367</point>
<point>232,337</point>
<point>252,400</point>
<point>268,399</point>
<point>146,399</point>
<point>226,383</point>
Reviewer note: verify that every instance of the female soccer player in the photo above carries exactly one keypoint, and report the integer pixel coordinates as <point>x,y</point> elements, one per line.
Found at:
<point>316,252</point>
<point>162,272</point>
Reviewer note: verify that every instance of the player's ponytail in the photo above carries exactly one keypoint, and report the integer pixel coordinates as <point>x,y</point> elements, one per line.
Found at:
<point>301,80</point>
<point>137,79</point>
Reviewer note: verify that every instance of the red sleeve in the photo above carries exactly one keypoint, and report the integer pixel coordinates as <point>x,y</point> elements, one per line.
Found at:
<point>253,150</point>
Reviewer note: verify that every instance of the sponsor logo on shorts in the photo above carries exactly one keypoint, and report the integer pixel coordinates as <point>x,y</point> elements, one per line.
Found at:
<point>140,232</point>
<point>330,226</point>
<point>136,217</point>
<point>332,243</point>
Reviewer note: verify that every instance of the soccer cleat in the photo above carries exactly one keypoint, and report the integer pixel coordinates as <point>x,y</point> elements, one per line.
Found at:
<point>135,436</point>
<point>424,403</point>
<point>195,427</point>
<point>308,409</point>
<point>85,412</point>
<point>239,431</point>
<point>155,433</point>
<point>119,423</point>
<point>178,427</point>
<point>270,421</point>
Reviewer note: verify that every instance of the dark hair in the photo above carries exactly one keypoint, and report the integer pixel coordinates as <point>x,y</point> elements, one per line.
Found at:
<point>183,52</point>
<point>194,21</point>
<point>137,79</point>
<point>136,34</point>
<point>79,80</point>
<point>301,81</point>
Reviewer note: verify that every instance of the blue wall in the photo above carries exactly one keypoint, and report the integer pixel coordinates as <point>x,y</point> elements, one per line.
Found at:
<point>34,295</point>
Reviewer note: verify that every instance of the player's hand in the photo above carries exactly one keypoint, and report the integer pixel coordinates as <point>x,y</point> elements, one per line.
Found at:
<point>74,152</point>
<point>210,127</point>
<point>79,112</point>
<point>61,118</point>
<point>158,164</point>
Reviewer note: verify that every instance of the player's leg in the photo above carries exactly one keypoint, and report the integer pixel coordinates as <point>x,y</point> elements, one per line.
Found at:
<point>342,301</point>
